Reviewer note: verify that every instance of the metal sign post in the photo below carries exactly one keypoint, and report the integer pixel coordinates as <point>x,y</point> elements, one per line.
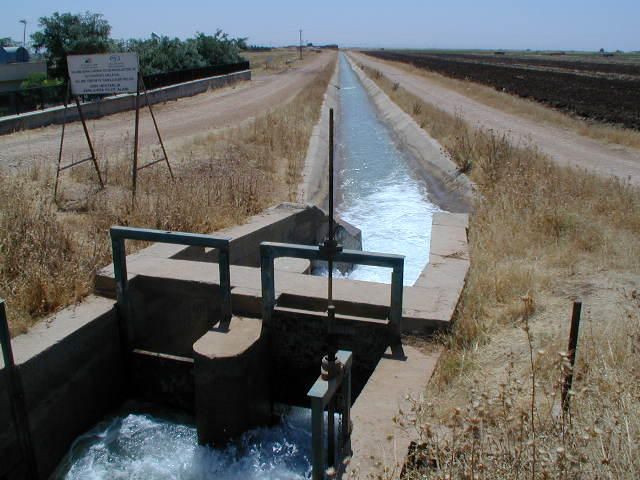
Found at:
<point>99,74</point>
<point>93,158</point>
<point>136,168</point>
<point>105,74</point>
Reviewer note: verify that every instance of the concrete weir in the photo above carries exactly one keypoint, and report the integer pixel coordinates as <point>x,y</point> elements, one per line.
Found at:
<point>75,367</point>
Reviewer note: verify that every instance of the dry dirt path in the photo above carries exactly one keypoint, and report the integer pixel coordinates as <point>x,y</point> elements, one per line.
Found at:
<point>179,119</point>
<point>564,146</point>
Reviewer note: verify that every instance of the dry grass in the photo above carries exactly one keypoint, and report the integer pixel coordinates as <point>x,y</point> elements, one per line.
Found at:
<point>50,253</point>
<point>538,235</point>
<point>529,109</point>
<point>276,60</point>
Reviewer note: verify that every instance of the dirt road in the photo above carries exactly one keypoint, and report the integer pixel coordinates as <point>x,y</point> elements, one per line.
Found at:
<point>564,146</point>
<point>177,120</point>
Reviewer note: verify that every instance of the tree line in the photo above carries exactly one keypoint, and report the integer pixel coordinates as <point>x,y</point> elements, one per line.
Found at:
<point>63,34</point>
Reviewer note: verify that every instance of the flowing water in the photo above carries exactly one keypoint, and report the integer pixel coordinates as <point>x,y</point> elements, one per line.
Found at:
<point>377,190</point>
<point>149,446</point>
<point>378,193</point>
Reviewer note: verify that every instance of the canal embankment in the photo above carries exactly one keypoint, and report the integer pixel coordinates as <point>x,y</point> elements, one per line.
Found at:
<point>448,187</point>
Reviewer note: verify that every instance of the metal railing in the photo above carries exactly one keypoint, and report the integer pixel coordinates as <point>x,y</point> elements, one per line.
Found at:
<point>120,234</point>
<point>17,401</point>
<point>331,395</point>
<point>269,251</point>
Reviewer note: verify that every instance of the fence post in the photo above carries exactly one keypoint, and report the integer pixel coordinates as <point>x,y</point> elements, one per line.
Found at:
<point>573,344</point>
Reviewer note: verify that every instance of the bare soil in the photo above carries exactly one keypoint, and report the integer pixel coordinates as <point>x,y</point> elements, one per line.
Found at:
<point>601,92</point>
<point>177,120</point>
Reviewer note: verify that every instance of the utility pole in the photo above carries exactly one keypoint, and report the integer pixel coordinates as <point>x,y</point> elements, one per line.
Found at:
<point>300,44</point>
<point>24,33</point>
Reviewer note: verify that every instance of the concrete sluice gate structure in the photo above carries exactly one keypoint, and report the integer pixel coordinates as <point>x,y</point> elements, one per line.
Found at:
<point>229,335</point>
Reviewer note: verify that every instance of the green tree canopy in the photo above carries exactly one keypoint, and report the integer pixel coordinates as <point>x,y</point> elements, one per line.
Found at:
<point>7,42</point>
<point>67,33</point>
<point>64,34</point>
<point>160,54</point>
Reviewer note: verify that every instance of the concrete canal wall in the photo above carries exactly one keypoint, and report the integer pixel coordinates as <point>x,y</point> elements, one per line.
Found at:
<point>437,169</point>
<point>314,186</point>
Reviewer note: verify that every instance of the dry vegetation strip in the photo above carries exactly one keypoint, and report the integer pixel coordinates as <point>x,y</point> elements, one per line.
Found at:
<point>540,235</point>
<point>49,253</point>
<point>529,109</point>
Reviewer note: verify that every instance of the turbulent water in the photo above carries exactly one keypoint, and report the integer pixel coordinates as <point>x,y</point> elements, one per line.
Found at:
<point>379,195</point>
<point>378,192</point>
<point>149,447</point>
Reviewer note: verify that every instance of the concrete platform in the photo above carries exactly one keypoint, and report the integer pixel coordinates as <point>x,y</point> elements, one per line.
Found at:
<point>425,308</point>
<point>428,305</point>
<point>379,442</point>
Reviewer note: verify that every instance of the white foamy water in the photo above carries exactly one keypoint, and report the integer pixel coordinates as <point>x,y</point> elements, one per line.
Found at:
<point>142,446</point>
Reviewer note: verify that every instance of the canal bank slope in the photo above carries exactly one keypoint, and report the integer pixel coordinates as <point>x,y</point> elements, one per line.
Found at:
<point>314,186</point>
<point>449,189</point>
<point>563,146</point>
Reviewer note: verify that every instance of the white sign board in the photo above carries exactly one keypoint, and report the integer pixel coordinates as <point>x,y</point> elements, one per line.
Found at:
<point>104,73</point>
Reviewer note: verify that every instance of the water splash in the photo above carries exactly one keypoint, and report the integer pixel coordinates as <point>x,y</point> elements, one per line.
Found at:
<point>144,446</point>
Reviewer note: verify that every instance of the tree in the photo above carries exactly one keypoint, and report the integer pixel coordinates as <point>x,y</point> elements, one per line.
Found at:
<point>66,33</point>
<point>219,48</point>
<point>8,42</point>
<point>160,54</point>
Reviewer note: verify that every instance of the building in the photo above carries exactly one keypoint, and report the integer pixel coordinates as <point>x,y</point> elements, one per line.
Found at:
<point>15,66</point>
<point>13,55</point>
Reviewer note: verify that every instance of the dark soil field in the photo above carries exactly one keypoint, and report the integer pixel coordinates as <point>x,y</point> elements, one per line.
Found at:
<point>601,91</point>
<point>610,66</point>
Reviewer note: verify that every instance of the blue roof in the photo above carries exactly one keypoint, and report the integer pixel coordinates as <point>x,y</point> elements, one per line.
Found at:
<point>13,54</point>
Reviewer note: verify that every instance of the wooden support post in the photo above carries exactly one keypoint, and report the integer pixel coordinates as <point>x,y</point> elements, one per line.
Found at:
<point>573,344</point>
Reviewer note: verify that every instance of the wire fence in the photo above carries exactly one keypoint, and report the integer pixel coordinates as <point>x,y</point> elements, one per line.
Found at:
<point>39,98</point>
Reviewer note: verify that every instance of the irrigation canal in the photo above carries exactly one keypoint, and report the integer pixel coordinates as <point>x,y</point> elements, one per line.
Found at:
<point>377,192</point>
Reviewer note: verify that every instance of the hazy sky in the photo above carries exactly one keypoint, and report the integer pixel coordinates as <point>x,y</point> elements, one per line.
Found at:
<point>542,24</point>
